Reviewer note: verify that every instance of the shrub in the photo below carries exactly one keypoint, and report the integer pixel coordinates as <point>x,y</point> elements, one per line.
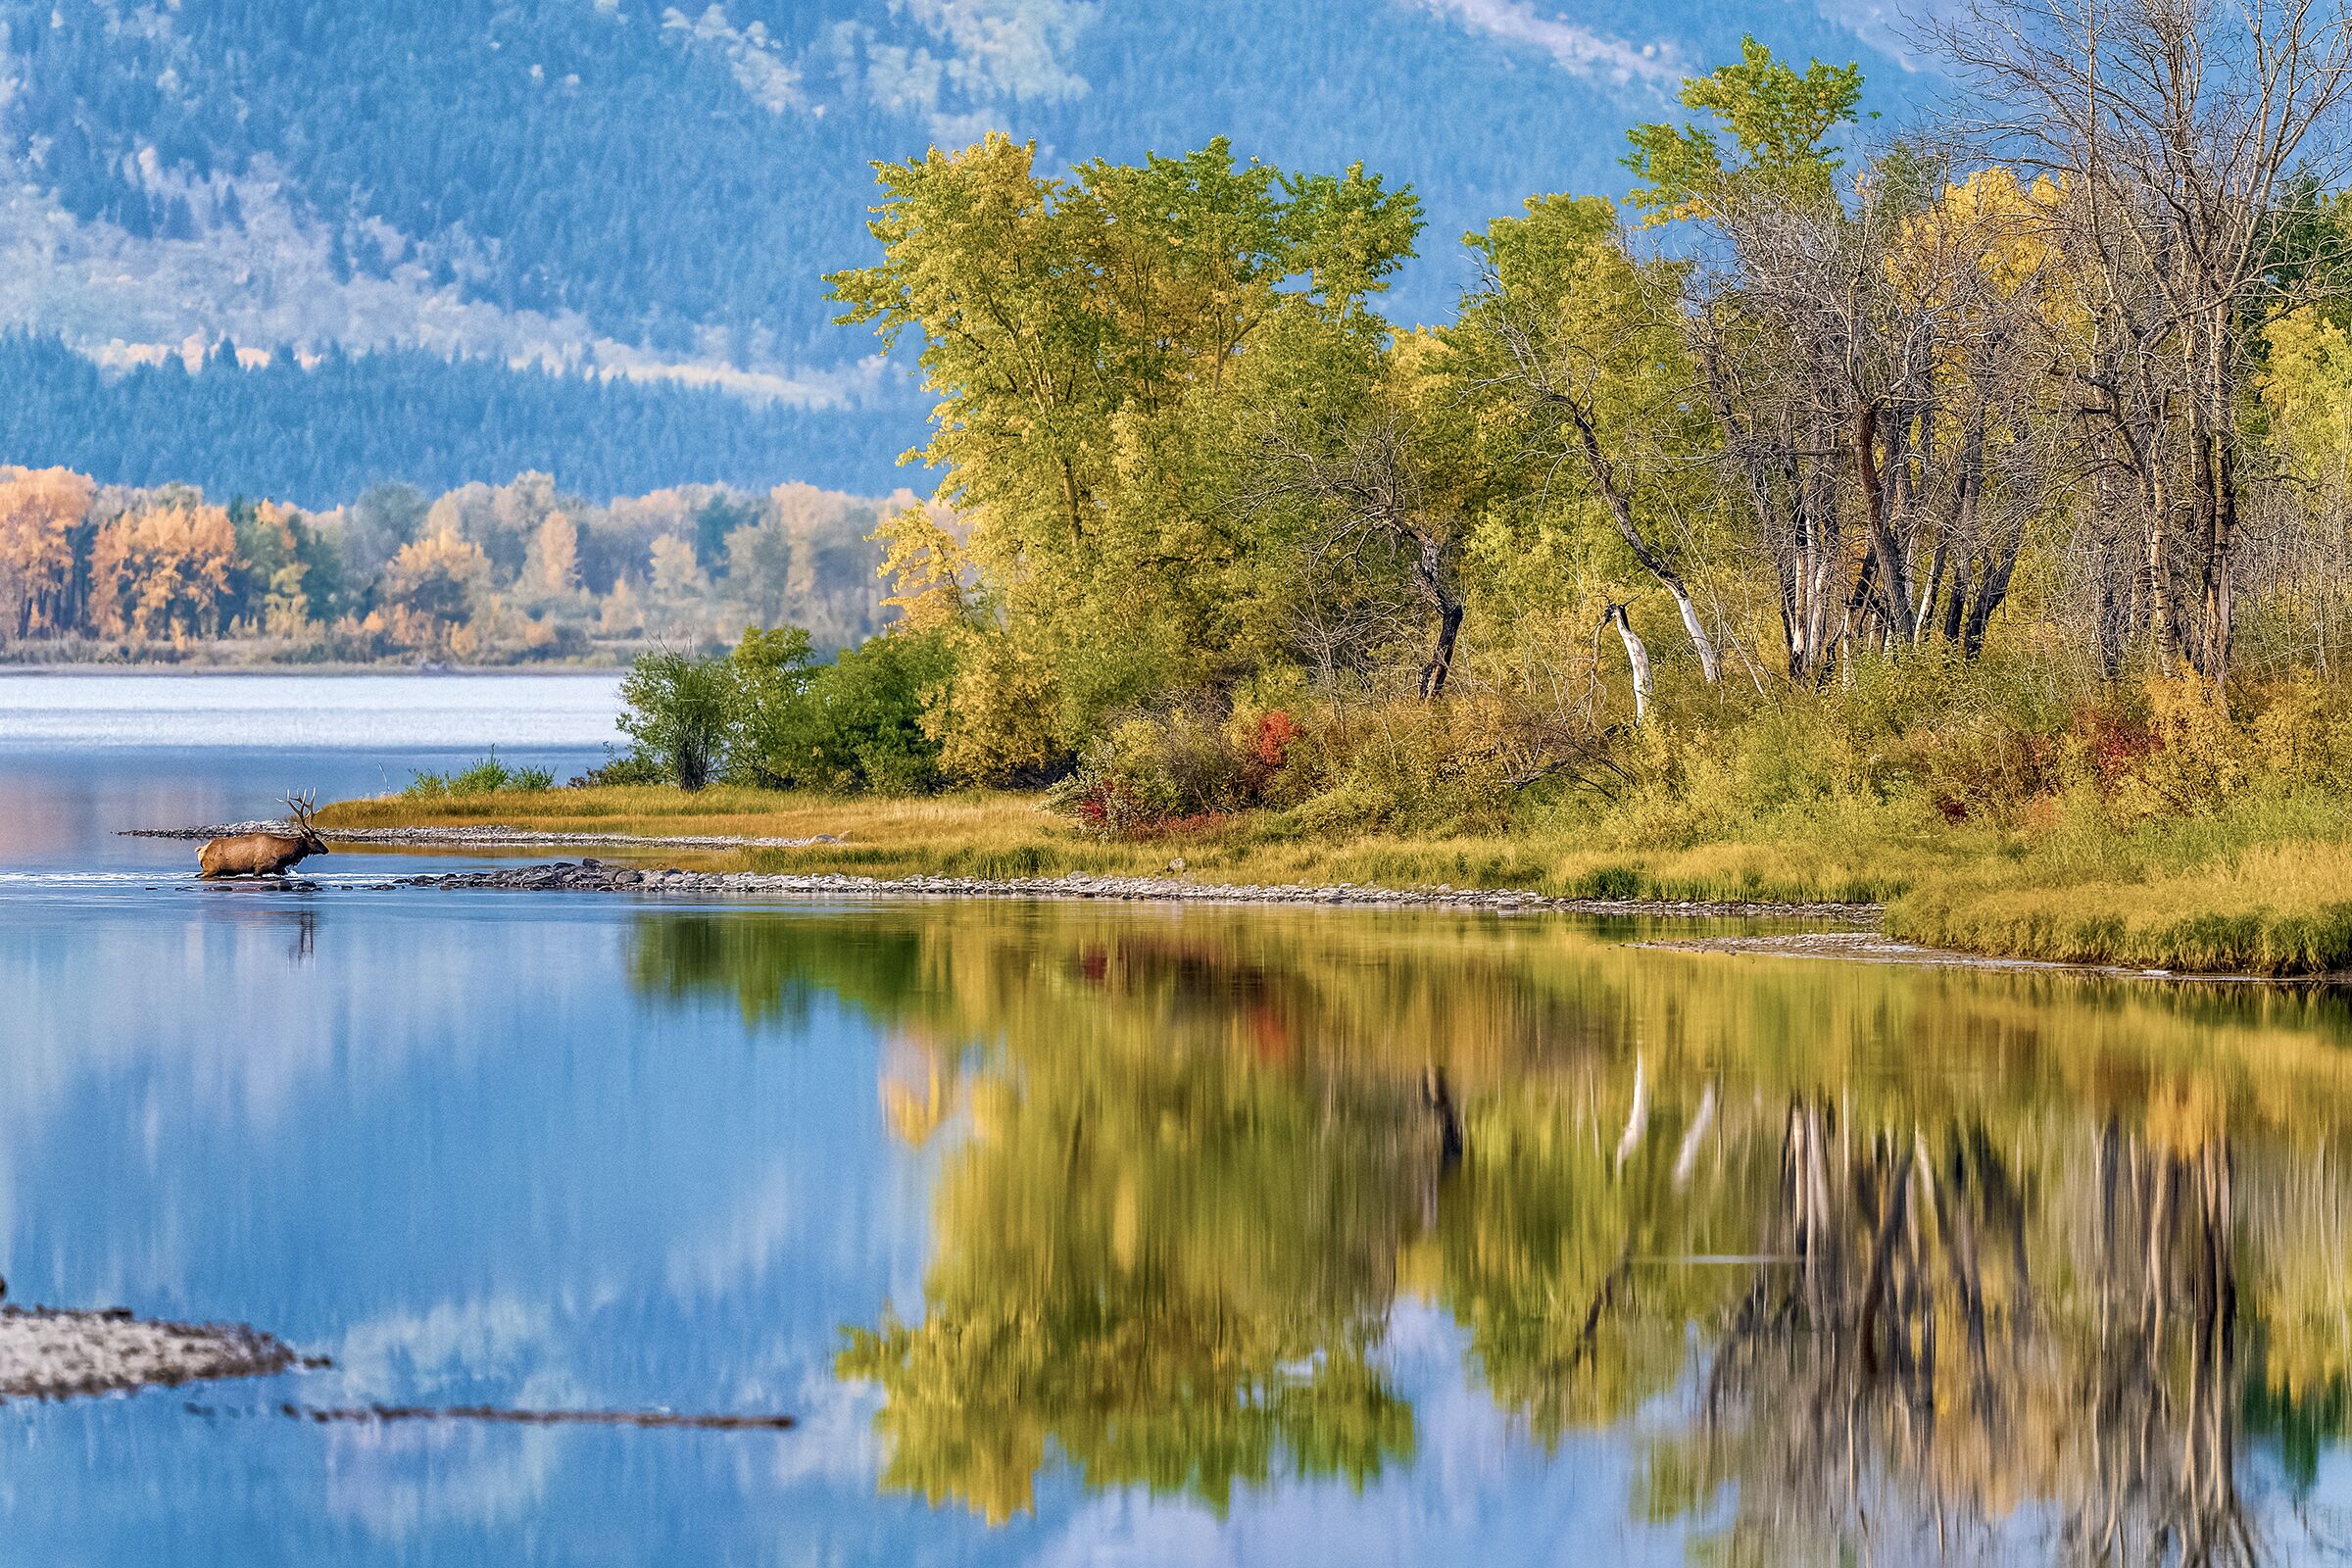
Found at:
<point>767,715</point>
<point>2302,735</point>
<point>1984,766</point>
<point>995,717</point>
<point>1442,767</point>
<point>854,724</point>
<point>624,767</point>
<point>2195,756</point>
<point>1185,766</point>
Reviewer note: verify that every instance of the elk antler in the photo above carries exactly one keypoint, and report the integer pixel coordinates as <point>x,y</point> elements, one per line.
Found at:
<point>302,806</point>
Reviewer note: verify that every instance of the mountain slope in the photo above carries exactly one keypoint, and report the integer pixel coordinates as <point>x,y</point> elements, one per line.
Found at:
<point>657,192</point>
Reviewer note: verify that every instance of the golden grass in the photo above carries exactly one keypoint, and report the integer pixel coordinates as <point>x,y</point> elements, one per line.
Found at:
<point>2272,909</point>
<point>999,835</point>
<point>721,809</point>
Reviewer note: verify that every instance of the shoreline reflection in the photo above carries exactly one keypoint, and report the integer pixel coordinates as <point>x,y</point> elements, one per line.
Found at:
<point>1862,1260</point>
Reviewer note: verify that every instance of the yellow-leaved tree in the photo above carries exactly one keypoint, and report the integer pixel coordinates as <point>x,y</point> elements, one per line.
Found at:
<point>162,570</point>
<point>40,509</point>
<point>431,587</point>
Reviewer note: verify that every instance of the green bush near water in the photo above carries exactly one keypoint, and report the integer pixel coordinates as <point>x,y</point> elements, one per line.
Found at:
<point>768,715</point>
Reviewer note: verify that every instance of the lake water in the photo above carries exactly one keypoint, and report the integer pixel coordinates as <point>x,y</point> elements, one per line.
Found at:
<point>1111,1235</point>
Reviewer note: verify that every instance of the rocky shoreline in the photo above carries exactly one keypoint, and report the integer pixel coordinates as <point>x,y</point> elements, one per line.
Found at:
<point>592,876</point>
<point>491,837</point>
<point>52,1353</point>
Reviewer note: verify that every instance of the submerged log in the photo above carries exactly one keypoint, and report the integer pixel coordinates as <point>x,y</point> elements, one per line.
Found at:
<point>507,1415</point>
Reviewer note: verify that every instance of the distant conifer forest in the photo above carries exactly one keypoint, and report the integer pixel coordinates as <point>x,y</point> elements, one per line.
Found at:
<point>322,436</point>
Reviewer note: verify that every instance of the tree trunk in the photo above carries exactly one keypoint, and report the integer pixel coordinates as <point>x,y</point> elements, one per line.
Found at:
<point>1894,595</point>
<point>1637,655</point>
<point>1621,511</point>
<point>1440,656</point>
<point>1824,556</point>
<point>1924,619</point>
<point>1858,603</point>
<point>2222,466</point>
<point>1430,571</point>
<point>1959,535</point>
<point>2162,620</point>
<point>1993,587</point>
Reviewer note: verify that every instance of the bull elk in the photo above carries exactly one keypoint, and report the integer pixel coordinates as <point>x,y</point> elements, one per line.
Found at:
<point>263,853</point>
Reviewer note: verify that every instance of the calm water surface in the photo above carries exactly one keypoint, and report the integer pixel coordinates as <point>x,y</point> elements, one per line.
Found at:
<point>1083,1235</point>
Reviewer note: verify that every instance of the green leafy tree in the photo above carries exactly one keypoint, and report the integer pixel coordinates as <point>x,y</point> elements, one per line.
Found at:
<point>1585,346</point>
<point>680,711</point>
<point>856,723</point>
<point>1093,341</point>
<point>1779,120</point>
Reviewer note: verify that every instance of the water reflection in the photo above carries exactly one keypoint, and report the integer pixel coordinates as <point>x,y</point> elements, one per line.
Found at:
<point>1855,1260</point>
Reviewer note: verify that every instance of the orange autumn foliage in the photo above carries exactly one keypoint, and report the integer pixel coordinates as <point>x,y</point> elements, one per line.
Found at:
<point>162,571</point>
<point>39,510</point>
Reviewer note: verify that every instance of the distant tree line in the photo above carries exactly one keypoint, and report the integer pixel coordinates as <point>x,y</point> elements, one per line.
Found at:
<point>481,573</point>
<point>318,435</point>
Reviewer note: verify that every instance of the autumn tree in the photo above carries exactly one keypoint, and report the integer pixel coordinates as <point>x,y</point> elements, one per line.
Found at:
<point>2189,135</point>
<point>1587,342</point>
<point>163,570</point>
<point>41,513</point>
<point>552,571</point>
<point>1765,157</point>
<point>431,587</point>
<point>1864,341</point>
<point>286,575</point>
<point>679,596</point>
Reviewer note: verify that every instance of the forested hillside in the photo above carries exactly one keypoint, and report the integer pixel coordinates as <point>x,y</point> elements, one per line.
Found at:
<point>320,436</point>
<point>655,191</point>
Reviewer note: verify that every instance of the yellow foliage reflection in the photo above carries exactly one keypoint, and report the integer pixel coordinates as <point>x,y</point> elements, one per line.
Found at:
<point>1877,1251</point>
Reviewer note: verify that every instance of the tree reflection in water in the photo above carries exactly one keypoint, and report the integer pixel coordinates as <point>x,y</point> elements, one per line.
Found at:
<point>1869,1261</point>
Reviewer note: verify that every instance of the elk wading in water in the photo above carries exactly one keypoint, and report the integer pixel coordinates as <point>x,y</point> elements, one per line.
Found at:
<point>263,853</point>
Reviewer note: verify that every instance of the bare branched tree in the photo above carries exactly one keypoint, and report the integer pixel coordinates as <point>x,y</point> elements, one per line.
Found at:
<point>2177,129</point>
<point>1861,356</point>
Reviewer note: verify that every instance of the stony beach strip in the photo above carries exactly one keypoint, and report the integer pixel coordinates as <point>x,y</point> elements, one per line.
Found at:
<point>51,1354</point>
<point>592,876</point>
<point>492,837</point>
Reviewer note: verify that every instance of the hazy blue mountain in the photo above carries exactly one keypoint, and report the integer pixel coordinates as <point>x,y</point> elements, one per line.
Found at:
<point>654,191</point>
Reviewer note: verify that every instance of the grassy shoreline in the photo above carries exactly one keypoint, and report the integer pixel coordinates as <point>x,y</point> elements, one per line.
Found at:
<point>1012,834</point>
<point>2272,897</point>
